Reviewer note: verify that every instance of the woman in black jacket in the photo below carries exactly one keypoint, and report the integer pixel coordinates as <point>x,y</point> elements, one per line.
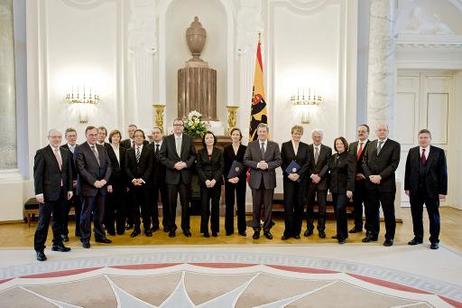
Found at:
<point>210,170</point>
<point>235,187</point>
<point>342,169</point>
<point>117,186</point>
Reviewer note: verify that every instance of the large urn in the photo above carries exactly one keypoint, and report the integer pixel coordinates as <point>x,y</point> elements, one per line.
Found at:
<point>195,37</point>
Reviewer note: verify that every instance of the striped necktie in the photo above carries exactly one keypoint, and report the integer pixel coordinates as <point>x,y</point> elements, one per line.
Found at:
<point>138,154</point>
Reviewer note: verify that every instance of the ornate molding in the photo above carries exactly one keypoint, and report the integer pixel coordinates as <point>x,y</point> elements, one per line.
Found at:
<point>429,41</point>
<point>85,4</point>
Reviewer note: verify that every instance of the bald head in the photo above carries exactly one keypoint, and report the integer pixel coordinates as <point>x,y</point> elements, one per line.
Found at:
<point>382,131</point>
<point>54,137</point>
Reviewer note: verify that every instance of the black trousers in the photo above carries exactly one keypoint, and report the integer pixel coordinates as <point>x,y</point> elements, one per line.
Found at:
<point>417,201</point>
<point>235,195</point>
<point>75,202</point>
<point>387,200</point>
<point>57,208</point>
<point>294,200</point>
<point>210,208</point>
<point>359,198</point>
<point>262,199</point>
<point>115,212</point>
<point>185,196</point>
<point>140,199</point>
<point>92,209</point>
<point>340,203</point>
<point>321,196</point>
<point>159,190</point>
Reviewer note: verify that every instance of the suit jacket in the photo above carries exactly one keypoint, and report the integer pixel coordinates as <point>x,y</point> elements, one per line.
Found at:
<point>169,157</point>
<point>209,169</point>
<point>353,149</point>
<point>118,176</point>
<point>302,158</point>
<point>48,177</point>
<point>158,169</point>
<point>71,157</point>
<point>141,169</point>
<point>253,156</point>
<point>435,171</point>
<point>342,170</point>
<point>127,143</point>
<point>384,164</point>
<point>229,157</point>
<point>321,167</point>
<point>89,171</point>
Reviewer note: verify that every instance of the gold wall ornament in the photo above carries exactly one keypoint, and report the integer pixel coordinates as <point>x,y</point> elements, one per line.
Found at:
<point>232,117</point>
<point>159,115</point>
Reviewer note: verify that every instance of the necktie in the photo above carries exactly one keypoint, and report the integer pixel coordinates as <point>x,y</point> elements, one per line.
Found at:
<point>178,146</point>
<point>138,154</point>
<point>93,149</point>
<point>58,158</point>
<point>262,149</point>
<point>423,159</point>
<point>379,148</point>
<point>316,155</point>
<point>360,151</point>
<point>157,148</point>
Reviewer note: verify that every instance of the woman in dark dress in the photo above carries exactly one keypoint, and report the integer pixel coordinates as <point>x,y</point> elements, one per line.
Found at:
<point>296,153</point>
<point>342,169</point>
<point>117,188</point>
<point>235,187</point>
<point>210,170</point>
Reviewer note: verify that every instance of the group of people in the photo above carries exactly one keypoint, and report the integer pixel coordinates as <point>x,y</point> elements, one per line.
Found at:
<point>115,184</point>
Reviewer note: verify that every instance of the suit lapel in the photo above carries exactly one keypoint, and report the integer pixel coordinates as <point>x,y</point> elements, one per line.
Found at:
<point>52,156</point>
<point>292,150</point>
<point>430,159</point>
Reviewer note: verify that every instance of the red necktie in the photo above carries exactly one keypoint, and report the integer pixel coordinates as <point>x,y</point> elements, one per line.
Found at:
<point>423,159</point>
<point>358,155</point>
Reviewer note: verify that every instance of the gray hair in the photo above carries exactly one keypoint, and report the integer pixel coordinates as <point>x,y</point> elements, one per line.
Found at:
<point>261,125</point>
<point>54,130</point>
<point>318,130</point>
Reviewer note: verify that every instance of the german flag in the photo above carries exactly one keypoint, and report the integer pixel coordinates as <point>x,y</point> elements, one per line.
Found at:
<point>259,111</point>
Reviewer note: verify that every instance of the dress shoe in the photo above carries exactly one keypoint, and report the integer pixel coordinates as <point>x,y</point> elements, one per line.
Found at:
<point>229,233</point>
<point>60,247</point>
<point>243,233</point>
<point>148,233</point>
<point>171,233</point>
<point>434,246</point>
<point>268,235</point>
<point>297,237</point>
<point>86,245</point>
<point>154,229</point>
<point>285,237</point>
<point>120,232</point>
<point>356,230</point>
<point>187,233</point>
<point>41,256</point>
<point>369,238</point>
<point>206,234</point>
<point>65,237</point>
<point>322,234</point>
<point>308,232</point>
<point>214,234</point>
<point>166,229</point>
<point>414,241</point>
<point>388,243</point>
<point>135,233</point>
<point>341,241</point>
<point>256,235</point>
<point>103,240</point>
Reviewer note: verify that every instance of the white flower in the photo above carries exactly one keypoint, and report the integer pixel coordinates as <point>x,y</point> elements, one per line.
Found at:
<point>193,114</point>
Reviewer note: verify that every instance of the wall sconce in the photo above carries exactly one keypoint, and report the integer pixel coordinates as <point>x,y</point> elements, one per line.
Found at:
<point>306,103</point>
<point>83,101</point>
<point>159,115</point>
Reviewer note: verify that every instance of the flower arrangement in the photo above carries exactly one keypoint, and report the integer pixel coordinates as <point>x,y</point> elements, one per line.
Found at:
<point>194,126</point>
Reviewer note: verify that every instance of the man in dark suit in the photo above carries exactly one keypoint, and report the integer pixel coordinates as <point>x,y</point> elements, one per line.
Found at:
<point>158,182</point>
<point>94,168</point>
<point>53,186</point>
<point>357,149</point>
<point>317,186</point>
<point>381,159</point>
<point>138,168</point>
<point>262,157</point>
<point>177,154</point>
<point>129,142</point>
<point>426,181</point>
<point>71,138</point>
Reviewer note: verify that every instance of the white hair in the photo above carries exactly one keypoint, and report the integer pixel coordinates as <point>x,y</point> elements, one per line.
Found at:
<point>318,130</point>
<point>54,130</point>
